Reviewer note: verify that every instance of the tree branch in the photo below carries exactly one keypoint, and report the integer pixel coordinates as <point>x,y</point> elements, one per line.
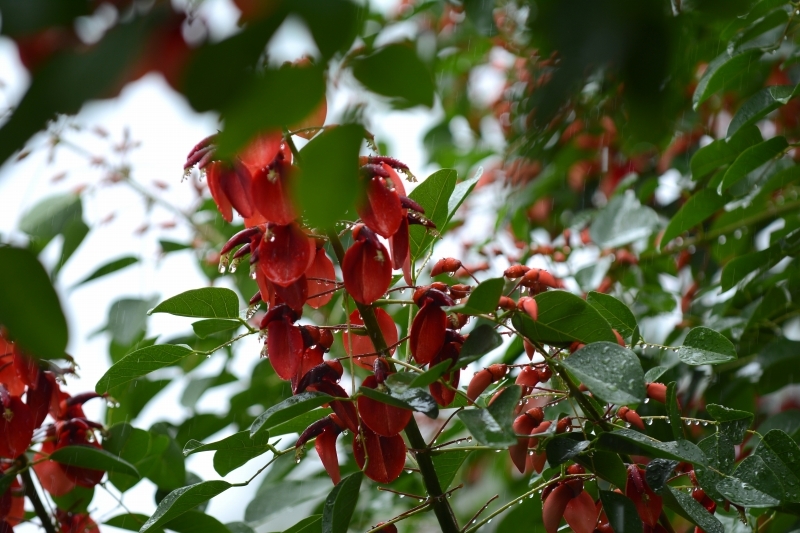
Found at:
<point>38,507</point>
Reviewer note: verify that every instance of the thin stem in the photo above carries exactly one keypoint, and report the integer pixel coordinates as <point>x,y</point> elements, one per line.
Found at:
<point>441,507</point>
<point>38,507</point>
<point>482,509</point>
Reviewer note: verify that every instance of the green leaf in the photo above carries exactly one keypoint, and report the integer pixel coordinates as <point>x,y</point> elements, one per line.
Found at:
<point>198,386</point>
<point>611,372</point>
<point>340,504</point>
<point>674,412</point>
<point>720,457</point>
<point>733,423</point>
<point>740,267</point>
<point>630,441</point>
<point>182,500</point>
<point>704,346</point>
<point>433,195</point>
<point>622,221</point>
<point>562,448</point>
<point>616,313</point>
<point>274,498</point>
<point>322,15</point>
<point>781,456</point>
<point>139,363</point>
<point>310,524</point>
<point>654,373</point>
<point>431,375</point>
<point>195,520</point>
<point>130,522</point>
<point>288,409</point>
<point>74,234</point>
<point>299,423</point>
<point>276,98</point>
<point>698,208</point>
<point>127,320</point>
<point>659,472</point>
<point>621,512</point>
<point>51,216</point>
<point>760,105</point>
<point>232,451</point>
<point>108,268</point>
<point>696,512</point>
<point>460,193</point>
<point>563,319</point>
<point>447,464</point>
<point>29,306</point>
<point>723,151</point>
<point>607,465</point>
<point>208,302</point>
<point>751,159</point>
<point>77,500</point>
<point>166,466</point>
<point>483,298</point>
<point>210,326</point>
<point>482,340</point>
<point>93,458</point>
<point>754,487</point>
<point>396,71</point>
<point>492,426</point>
<point>406,396</point>
<point>132,445</point>
<point>328,185</point>
<point>724,72</point>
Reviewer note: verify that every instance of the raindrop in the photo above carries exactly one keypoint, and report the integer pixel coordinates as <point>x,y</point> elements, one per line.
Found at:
<point>345,432</point>
<point>223,264</point>
<point>722,239</point>
<point>297,461</point>
<point>253,271</point>
<point>520,502</point>
<point>647,400</point>
<point>402,496</point>
<point>469,439</point>
<point>408,471</point>
<point>649,422</point>
<point>490,521</point>
<point>737,234</point>
<point>234,265</point>
<point>688,422</point>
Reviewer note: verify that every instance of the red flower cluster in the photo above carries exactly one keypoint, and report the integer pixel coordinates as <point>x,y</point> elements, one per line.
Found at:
<point>21,376</point>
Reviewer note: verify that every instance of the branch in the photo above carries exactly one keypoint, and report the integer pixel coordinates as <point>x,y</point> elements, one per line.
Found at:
<point>33,496</point>
<point>441,507</point>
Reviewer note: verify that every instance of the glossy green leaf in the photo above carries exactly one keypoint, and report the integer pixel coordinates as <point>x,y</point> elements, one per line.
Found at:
<point>210,326</point>
<point>182,500</point>
<point>447,466</point>
<point>195,520</point>
<point>740,267</point>
<point>322,15</point>
<point>431,375</point>
<point>659,472</point>
<point>482,340</point>
<point>288,409</point>
<point>674,412</point>
<point>132,445</point>
<point>654,373</point>
<point>723,151</point>
<point>781,455</point>
<point>611,372</point>
<point>562,448</point>
<point>406,396</point>
<point>77,500</point>
<point>492,426</point>
<point>396,71</point>
<point>757,486</point>
<point>328,185</point>
<point>733,423</point>
<point>460,193</point>
<point>233,451</point>
<point>698,514</point>
<point>605,464</point>
<point>299,423</point>
<point>140,363</point>
<point>724,72</point>
<point>27,302</point>
<point>483,299</point>
<point>93,458</point>
<point>760,105</point>
<point>698,208</point>
<point>208,302</point>
<point>166,467</point>
<point>130,522</point>
<point>275,497</point>
<point>433,195</point>
<point>616,313</point>
<point>310,524</point>
<point>622,221</point>
<point>704,346</point>
<point>109,268</point>
<point>630,441</point>
<point>341,503</point>
<point>563,319</point>
<point>621,512</point>
<point>751,159</point>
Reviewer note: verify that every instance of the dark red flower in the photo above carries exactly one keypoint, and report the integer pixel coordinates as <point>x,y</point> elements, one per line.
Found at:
<point>366,268</point>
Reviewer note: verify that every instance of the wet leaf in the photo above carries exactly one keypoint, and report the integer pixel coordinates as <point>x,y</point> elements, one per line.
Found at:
<point>482,300</point>
<point>182,500</point>
<point>140,363</point>
<point>93,458</point>
<point>396,71</point>
<point>616,313</point>
<point>611,372</point>
<point>704,346</point>
<point>698,208</point>
<point>340,504</point>
<point>623,221</point>
<point>208,302</point>
<point>630,441</point>
<point>288,409</point>
<point>563,319</point>
<point>109,268</point>
<point>621,512</point>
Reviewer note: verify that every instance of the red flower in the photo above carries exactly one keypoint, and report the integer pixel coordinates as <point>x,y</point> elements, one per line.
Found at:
<point>366,268</point>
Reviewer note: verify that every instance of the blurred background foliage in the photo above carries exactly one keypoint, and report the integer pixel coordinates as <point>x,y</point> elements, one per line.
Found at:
<point>642,149</point>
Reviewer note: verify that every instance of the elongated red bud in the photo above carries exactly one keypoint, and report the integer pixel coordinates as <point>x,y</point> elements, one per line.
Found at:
<point>516,271</point>
<point>345,410</point>
<point>657,391</point>
<point>564,425</point>
<point>316,428</point>
<point>529,306</point>
<point>381,370</point>
<point>242,237</point>
<point>327,371</point>
<point>408,203</point>
<point>326,449</point>
<point>448,264</point>
<point>428,333</point>
<point>620,340</point>
<point>554,507</point>
<point>388,528</point>
<point>484,378</point>
<point>581,514</point>
<point>528,377</point>
<point>460,290</point>
<point>545,373</point>
<point>507,303</point>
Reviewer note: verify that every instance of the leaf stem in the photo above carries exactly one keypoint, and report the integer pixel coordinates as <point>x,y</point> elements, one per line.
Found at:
<point>33,496</point>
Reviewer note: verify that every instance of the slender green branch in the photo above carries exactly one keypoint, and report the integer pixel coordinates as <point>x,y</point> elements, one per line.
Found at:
<point>38,507</point>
